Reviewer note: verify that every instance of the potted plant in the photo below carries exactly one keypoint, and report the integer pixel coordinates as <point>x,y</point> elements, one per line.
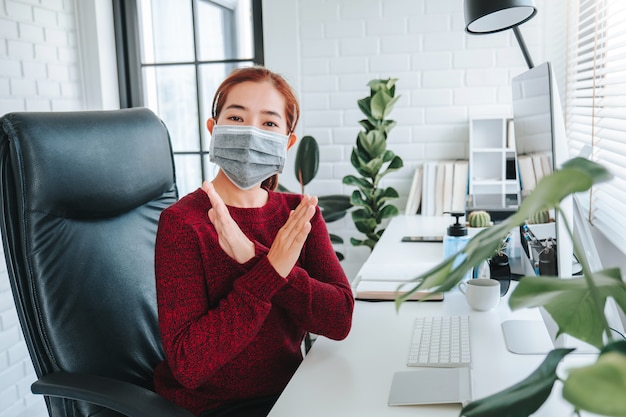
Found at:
<point>306,165</point>
<point>576,305</point>
<point>372,160</point>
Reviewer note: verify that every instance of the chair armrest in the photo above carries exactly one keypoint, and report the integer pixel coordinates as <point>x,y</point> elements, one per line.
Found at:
<point>123,397</point>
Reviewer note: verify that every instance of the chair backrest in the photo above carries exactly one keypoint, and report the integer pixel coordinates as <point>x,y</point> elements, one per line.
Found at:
<point>81,195</point>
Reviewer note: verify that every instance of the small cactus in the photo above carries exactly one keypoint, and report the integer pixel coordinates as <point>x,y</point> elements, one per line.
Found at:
<point>540,217</point>
<point>479,218</point>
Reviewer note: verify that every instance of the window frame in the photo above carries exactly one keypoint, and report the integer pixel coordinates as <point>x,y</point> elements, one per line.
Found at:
<point>129,66</point>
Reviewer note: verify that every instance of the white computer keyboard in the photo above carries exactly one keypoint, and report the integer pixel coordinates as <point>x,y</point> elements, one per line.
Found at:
<point>440,341</point>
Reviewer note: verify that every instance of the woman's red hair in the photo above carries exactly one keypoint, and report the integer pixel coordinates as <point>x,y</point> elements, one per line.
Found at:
<point>260,74</point>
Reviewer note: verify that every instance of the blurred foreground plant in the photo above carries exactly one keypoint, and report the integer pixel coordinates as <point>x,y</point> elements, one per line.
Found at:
<point>576,305</point>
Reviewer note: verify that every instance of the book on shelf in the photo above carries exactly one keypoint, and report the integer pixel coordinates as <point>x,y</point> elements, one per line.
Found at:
<point>448,185</point>
<point>527,173</point>
<point>415,193</point>
<point>460,184</point>
<point>429,172</point>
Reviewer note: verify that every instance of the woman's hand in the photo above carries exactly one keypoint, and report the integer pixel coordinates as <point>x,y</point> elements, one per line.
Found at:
<point>290,238</point>
<point>232,240</point>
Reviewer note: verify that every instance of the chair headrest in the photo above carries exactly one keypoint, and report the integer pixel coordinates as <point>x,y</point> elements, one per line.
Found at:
<point>133,170</point>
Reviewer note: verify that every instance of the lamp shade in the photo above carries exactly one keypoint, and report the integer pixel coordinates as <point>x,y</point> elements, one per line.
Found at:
<point>490,16</point>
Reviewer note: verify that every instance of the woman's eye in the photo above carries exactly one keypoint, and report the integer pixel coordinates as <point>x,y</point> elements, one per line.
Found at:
<point>271,124</point>
<point>235,118</point>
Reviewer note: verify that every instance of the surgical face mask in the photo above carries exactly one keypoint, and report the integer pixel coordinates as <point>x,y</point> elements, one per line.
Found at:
<point>246,154</point>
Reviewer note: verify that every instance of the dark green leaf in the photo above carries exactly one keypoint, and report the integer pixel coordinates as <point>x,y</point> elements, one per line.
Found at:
<point>334,202</point>
<point>386,212</point>
<point>356,199</point>
<point>363,184</point>
<point>523,398</point>
<point>364,105</point>
<point>307,160</point>
<point>367,125</point>
<point>618,346</point>
<point>335,239</point>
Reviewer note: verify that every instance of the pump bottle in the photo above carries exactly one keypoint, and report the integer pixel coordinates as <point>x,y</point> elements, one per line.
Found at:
<point>456,238</point>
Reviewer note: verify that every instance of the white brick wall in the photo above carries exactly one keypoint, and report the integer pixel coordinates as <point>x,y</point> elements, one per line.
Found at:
<point>39,71</point>
<point>445,77</point>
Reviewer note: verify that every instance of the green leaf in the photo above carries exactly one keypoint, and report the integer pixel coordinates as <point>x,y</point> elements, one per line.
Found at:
<point>372,167</point>
<point>386,212</point>
<point>523,398</point>
<point>389,106</point>
<point>356,199</point>
<point>362,183</point>
<point>364,105</point>
<point>570,302</point>
<point>335,239</point>
<point>307,160</point>
<point>378,104</point>
<point>373,143</point>
<point>367,125</point>
<point>334,207</point>
<point>387,194</point>
<point>576,175</point>
<point>395,165</point>
<point>599,388</point>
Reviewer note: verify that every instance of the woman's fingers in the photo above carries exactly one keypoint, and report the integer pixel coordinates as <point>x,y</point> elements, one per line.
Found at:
<point>288,244</point>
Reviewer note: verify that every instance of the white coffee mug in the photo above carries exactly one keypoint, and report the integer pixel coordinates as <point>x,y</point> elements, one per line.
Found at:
<point>482,294</point>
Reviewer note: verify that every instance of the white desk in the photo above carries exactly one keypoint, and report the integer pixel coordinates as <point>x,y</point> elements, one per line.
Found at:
<point>352,377</point>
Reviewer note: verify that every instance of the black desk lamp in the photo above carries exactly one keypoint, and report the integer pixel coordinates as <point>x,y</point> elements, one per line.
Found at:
<point>491,16</point>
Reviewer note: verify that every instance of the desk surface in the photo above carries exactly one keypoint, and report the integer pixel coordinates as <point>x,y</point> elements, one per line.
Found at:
<point>352,377</point>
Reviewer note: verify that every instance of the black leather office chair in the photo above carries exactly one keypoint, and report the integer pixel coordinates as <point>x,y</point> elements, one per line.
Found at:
<point>81,195</point>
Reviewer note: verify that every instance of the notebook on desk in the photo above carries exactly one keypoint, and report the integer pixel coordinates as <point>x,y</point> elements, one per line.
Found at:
<point>431,386</point>
<point>386,291</point>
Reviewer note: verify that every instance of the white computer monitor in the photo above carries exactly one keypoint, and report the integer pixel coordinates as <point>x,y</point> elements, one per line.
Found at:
<point>541,147</point>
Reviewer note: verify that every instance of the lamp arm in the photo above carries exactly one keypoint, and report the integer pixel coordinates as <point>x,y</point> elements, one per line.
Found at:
<point>522,45</point>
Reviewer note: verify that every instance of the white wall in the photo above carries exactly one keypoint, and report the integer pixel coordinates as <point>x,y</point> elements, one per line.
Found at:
<point>331,49</point>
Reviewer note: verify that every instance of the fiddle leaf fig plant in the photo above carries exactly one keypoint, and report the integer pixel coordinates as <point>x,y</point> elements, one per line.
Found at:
<point>372,161</point>
<point>576,304</point>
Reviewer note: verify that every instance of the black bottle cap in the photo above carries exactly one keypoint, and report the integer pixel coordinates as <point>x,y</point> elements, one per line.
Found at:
<point>457,229</point>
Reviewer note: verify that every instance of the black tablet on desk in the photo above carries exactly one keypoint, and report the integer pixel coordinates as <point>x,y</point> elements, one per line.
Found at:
<point>425,239</point>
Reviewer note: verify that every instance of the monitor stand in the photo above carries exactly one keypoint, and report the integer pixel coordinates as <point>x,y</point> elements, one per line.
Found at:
<point>527,337</point>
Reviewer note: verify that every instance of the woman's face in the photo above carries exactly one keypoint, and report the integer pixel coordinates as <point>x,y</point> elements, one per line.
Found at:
<point>255,104</point>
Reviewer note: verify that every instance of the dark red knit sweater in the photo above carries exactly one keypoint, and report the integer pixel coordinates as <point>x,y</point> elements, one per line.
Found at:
<point>232,331</point>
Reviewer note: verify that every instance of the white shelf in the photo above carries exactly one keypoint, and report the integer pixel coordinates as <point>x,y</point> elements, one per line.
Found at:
<point>490,153</point>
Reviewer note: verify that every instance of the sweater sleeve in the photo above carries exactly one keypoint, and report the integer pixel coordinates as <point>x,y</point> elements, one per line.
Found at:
<point>318,295</point>
<point>199,338</point>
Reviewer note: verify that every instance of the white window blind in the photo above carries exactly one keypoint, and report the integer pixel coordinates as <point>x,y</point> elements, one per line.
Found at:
<point>595,105</point>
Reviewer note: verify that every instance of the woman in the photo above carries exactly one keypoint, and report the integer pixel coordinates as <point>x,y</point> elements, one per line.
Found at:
<point>242,271</point>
